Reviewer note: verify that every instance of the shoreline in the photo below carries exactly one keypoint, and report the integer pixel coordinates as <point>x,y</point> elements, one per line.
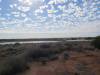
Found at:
<point>42,41</point>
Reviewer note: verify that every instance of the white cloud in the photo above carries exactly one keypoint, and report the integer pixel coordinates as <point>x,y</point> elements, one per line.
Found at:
<point>23,15</point>
<point>68,20</point>
<point>39,11</point>
<point>26,2</point>
<point>16,14</point>
<point>24,9</point>
<point>51,11</point>
<point>43,7</point>
<point>62,7</point>
<point>51,2</point>
<point>13,5</point>
<point>75,0</point>
<point>60,1</point>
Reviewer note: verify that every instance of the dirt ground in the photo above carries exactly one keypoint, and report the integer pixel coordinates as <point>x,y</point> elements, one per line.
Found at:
<point>78,63</point>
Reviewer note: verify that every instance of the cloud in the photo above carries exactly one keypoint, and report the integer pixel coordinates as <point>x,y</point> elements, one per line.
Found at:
<point>53,16</point>
<point>57,1</point>
<point>23,8</point>
<point>13,5</point>
<point>51,11</point>
<point>26,2</point>
<point>86,11</point>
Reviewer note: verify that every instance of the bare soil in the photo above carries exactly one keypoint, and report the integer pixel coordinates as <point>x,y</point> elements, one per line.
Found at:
<point>79,63</point>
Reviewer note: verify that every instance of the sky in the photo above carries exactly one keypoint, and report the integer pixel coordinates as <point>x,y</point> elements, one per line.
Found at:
<point>49,18</point>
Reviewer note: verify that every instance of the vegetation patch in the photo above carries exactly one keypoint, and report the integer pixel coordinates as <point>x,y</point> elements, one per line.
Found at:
<point>96,42</point>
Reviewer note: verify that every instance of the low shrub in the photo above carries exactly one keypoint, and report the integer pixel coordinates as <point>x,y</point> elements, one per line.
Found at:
<point>37,54</point>
<point>11,66</point>
<point>10,49</point>
<point>45,46</point>
<point>17,44</point>
<point>53,57</point>
<point>43,60</point>
<point>79,49</point>
<point>96,42</point>
<point>66,56</point>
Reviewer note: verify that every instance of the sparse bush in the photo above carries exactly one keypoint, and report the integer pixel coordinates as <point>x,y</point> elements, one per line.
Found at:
<point>69,46</point>
<point>61,47</point>
<point>45,46</point>
<point>10,49</point>
<point>96,42</point>
<point>17,44</point>
<point>89,48</point>
<point>38,54</point>
<point>79,49</point>
<point>43,61</point>
<point>12,66</point>
<point>66,55</point>
<point>53,57</point>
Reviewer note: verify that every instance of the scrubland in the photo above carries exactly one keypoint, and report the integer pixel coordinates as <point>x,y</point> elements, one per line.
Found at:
<point>59,58</point>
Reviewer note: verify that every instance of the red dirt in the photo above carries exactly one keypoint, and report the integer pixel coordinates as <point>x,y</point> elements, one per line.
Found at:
<point>64,67</point>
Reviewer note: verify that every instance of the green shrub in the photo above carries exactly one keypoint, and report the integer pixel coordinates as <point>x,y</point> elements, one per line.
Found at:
<point>96,42</point>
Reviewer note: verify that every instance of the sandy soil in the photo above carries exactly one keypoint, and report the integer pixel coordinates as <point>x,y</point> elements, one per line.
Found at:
<point>84,63</point>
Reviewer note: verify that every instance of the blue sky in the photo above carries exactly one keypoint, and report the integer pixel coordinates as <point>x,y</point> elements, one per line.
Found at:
<point>50,16</point>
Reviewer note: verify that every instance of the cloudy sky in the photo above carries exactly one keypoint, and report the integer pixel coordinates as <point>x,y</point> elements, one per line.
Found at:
<point>49,18</point>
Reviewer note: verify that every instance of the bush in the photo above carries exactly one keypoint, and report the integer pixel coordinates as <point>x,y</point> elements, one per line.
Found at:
<point>38,54</point>
<point>45,46</point>
<point>53,57</point>
<point>12,66</point>
<point>43,60</point>
<point>16,44</point>
<point>96,42</point>
<point>11,49</point>
<point>66,55</point>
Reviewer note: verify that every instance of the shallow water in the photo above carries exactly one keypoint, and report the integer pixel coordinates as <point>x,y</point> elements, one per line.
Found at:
<point>3,43</point>
<point>27,42</point>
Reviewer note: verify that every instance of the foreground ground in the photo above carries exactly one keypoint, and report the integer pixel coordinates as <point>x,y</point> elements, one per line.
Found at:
<point>87,63</point>
<point>62,58</point>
